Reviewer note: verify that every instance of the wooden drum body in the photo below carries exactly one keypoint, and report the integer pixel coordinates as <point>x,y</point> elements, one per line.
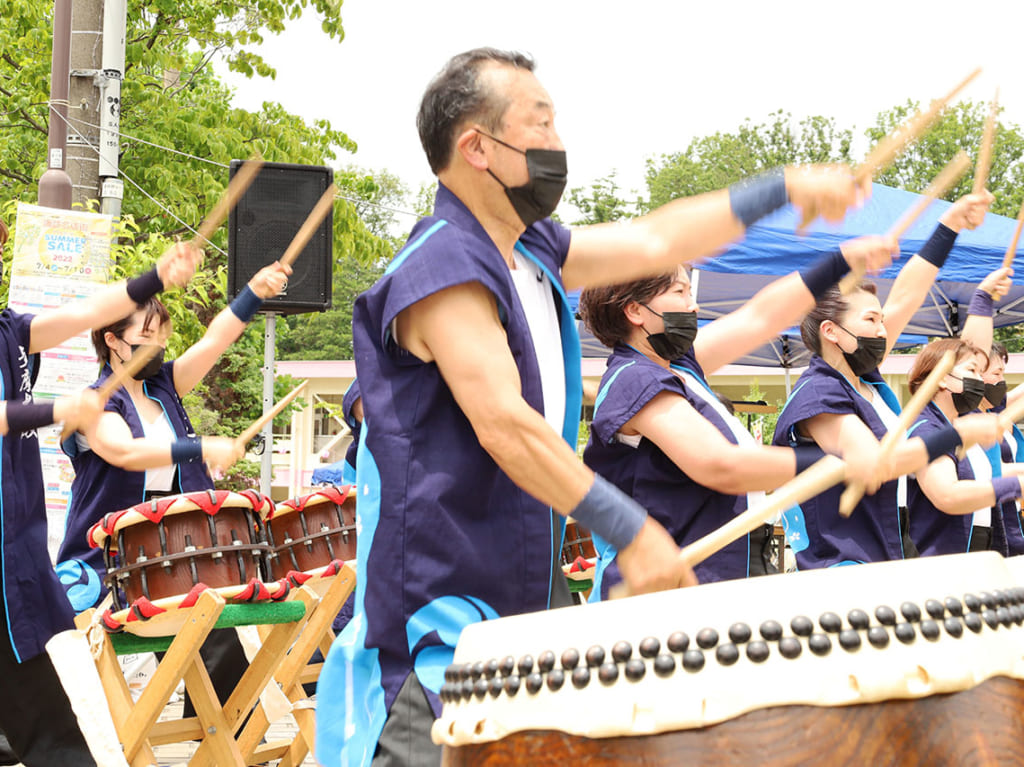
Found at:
<point>576,543</point>
<point>307,534</point>
<point>167,546</point>
<point>915,662</point>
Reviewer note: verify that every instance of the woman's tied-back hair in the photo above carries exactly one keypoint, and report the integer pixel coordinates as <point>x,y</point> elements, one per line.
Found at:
<point>457,95</point>
<point>930,355</point>
<point>830,306</point>
<point>154,310</point>
<point>603,310</point>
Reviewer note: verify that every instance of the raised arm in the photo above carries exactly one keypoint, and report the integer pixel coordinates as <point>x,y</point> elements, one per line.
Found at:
<point>918,275</point>
<point>978,325</point>
<point>173,269</point>
<point>692,228</point>
<point>227,326</point>
<point>784,302</point>
<point>459,330</point>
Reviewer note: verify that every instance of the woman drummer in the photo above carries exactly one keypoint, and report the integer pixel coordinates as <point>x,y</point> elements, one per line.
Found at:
<point>951,501</point>
<point>144,444</point>
<point>842,404</point>
<point>1009,537</point>
<point>661,435</point>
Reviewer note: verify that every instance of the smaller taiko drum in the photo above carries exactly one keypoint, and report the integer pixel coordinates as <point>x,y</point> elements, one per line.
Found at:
<point>167,546</point>
<point>576,543</point>
<point>307,534</point>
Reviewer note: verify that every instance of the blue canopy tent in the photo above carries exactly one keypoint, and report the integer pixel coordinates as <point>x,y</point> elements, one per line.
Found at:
<point>772,248</point>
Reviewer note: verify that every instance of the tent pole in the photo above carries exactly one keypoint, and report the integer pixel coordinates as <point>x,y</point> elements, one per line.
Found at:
<point>789,385</point>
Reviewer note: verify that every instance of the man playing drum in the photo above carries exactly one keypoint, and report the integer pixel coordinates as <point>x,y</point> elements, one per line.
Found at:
<point>468,362</point>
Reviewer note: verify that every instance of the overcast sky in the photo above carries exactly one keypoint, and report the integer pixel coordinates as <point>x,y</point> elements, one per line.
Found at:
<point>633,79</point>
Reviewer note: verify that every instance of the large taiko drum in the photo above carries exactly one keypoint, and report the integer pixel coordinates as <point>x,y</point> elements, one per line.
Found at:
<point>164,548</point>
<point>308,534</point>
<point>915,662</point>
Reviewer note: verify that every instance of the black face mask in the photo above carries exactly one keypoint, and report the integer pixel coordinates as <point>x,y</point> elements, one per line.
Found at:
<point>970,397</point>
<point>539,196</point>
<point>868,356</point>
<point>148,370</point>
<point>677,338</point>
<point>995,393</point>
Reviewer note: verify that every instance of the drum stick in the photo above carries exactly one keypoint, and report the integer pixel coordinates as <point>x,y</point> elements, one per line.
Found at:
<point>889,148</point>
<point>228,200</point>
<point>855,490</point>
<point>985,150</point>
<point>1011,250</point>
<point>941,184</point>
<point>318,214</point>
<point>243,439</point>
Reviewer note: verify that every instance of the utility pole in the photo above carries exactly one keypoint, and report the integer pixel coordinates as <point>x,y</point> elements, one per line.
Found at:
<point>55,183</point>
<point>97,67</point>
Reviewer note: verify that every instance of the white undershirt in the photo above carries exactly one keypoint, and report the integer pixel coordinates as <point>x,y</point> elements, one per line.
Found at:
<point>538,300</point>
<point>160,479</point>
<point>983,472</point>
<point>891,421</point>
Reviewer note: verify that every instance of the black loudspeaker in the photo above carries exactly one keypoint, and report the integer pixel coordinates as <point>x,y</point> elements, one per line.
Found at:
<point>263,224</point>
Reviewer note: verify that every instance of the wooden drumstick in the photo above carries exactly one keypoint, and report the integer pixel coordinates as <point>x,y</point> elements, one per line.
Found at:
<point>318,214</point>
<point>1011,250</point>
<point>886,150</point>
<point>243,439</point>
<point>985,150</point>
<point>855,490</point>
<point>814,480</point>
<point>236,188</point>
<point>942,183</point>
<point>117,379</point>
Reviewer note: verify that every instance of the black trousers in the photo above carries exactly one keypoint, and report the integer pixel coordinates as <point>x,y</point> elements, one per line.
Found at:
<point>36,714</point>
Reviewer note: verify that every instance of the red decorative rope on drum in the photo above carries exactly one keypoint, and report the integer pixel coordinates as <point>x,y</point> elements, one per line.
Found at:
<point>142,610</point>
<point>254,591</point>
<point>334,494</point>
<point>279,590</point>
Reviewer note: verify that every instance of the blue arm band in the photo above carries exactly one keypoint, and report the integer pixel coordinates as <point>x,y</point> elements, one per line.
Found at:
<point>186,450</point>
<point>754,198</point>
<point>144,287</point>
<point>941,442</point>
<point>807,456</point>
<point>981,304</point>
<point>26,416</point>
<point>246,304</point>
<point>610,513</point>
<point>938,245</point>
<point>1006,489</point>
<point>824,273</point>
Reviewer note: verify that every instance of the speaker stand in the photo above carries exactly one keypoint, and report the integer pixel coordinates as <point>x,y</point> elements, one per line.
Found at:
<point>269,350</point>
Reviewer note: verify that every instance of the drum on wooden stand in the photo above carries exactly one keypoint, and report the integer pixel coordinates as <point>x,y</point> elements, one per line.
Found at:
<point>914,662</point>
<point>161,553</point>
<point>312,536</point>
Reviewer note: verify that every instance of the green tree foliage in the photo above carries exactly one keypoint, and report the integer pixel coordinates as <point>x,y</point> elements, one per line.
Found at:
<point>601,203</point>
<point>715,161</point>
<point>959,128</point>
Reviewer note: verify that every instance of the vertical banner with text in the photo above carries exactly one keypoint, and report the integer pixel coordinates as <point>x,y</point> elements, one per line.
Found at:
<point>60,256</point>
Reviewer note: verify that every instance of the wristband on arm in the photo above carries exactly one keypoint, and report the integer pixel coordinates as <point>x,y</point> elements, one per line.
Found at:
<point>186,450</point>
<point>1006,489</point>
<point>938,246</point>
<point>26,416</point>
<point>807,456</point>
<point>754,198</point>
<point>144,287</point>
<point>981,304</point>
<point>941,442</point>
<point>820,276</point>
<point>610,513</point>
<point>246,304</point>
